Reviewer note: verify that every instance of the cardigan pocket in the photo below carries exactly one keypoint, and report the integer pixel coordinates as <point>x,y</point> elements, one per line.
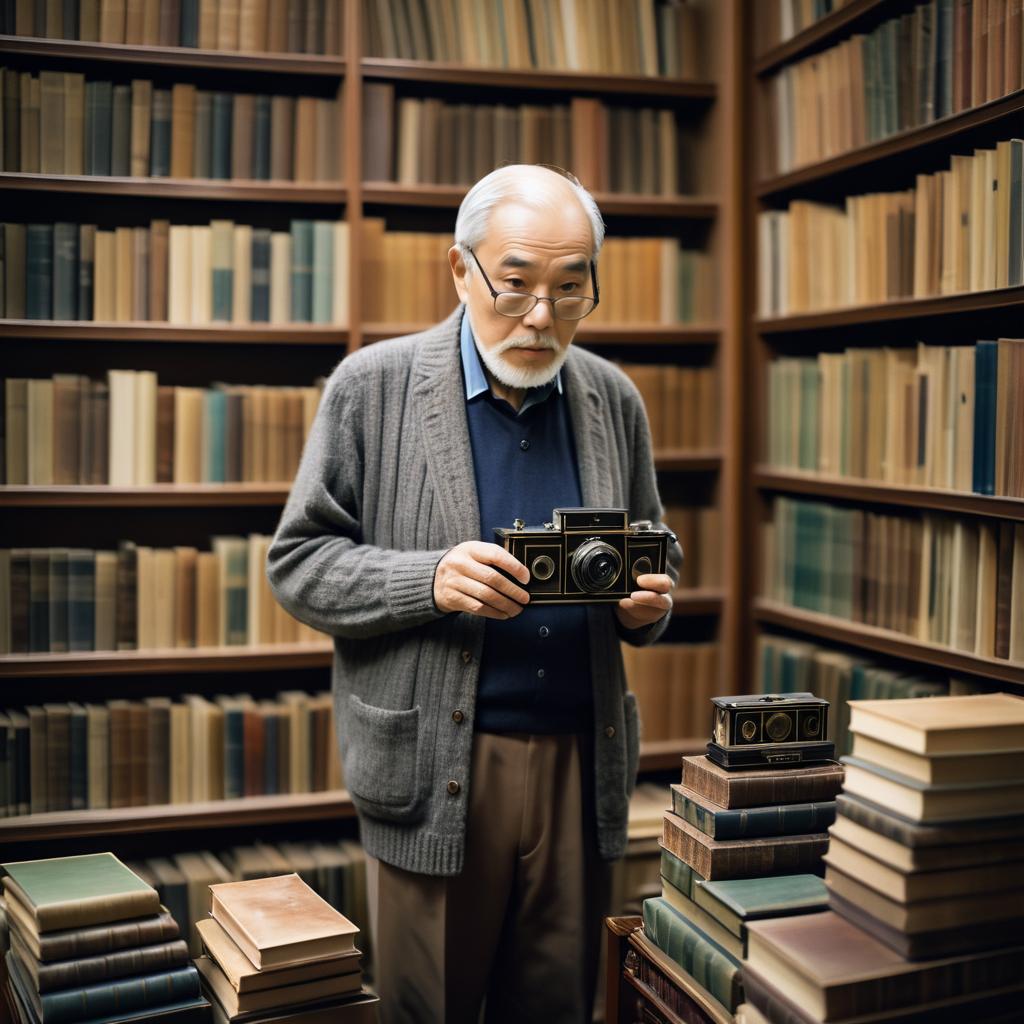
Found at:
<point>382,763</point>
<point>632,717</point>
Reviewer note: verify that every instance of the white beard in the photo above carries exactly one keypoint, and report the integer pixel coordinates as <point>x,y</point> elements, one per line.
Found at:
<point>513,376</point>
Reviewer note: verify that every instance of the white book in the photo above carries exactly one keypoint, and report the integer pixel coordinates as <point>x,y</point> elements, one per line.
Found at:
<point>122,432</point>
<point>280,277</point>
<point>145,427</point>
<point>179,274</point>
<point>202,275</point>
<point>241,309</point>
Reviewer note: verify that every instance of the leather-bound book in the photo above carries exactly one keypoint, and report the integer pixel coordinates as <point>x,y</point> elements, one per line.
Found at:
<point>761,787</point>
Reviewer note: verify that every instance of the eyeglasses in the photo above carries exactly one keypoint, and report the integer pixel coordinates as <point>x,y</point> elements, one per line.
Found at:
<point>565,307</point>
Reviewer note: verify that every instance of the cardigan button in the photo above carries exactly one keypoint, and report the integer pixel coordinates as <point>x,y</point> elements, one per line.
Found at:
<point>457,716</point>
<point>453,787</point>
<point>467,657</point>
<point>610,731</point>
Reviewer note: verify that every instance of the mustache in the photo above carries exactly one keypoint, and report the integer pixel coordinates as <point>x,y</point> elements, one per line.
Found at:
<point>548,341</point>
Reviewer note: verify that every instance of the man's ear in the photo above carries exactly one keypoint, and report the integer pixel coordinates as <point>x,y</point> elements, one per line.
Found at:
<point>459,272</point>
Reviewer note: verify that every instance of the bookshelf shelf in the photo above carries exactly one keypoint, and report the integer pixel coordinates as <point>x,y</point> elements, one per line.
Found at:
<point>945,130</point>
<point>681,461</point>
<point>698,602</point>
<point>595,334</point>
<point>815,36</point>
<point>175,56</point>
<point>252,810</point>
<point>885,641</point>
<point>899,309</point>
<point>767,478</point>
<point>389,193</point>
<point>666,755</point>
<point>178,188</point>
<point>154,496</point>
<point>550,81</point>
<point>148,330</point>
<point>262,658</point>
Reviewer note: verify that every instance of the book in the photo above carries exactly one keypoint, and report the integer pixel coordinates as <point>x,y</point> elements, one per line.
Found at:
<point>780,820</point>
<point>761,787</point>
<point>932,769</point>
<point>742,858</point>
<point>702,920</point>
<point>733,902</point>
<point>72,892</point>
<point>279,921</point>
<point>835,970</point>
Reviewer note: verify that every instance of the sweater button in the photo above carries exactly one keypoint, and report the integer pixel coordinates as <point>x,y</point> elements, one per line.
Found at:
<point>610,731</point>
<point>467,657</point>
<point>524,444</point>
<point>457,716</point>
<point>453,787</point>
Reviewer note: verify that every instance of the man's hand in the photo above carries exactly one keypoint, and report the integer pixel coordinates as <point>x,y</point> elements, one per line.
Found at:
<point>467,580</point>
<point>645,606</point>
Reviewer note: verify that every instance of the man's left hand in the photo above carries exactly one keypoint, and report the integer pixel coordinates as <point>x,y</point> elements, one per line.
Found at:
<point>648,604</point>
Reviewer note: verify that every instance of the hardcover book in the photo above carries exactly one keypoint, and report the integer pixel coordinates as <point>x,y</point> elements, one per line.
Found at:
<point>735,901</point>
<point>749,823</point>
<point>761,787</point>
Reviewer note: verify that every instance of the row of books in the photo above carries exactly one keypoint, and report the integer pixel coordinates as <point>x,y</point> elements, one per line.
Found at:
<point>682,404</point>
<point>645,37</point>
<point>673,684</point>
<point>135,753</point>
<point>958,582</point>
<point>130,430</point>
<point>786,665</point>
<point>61,123</point>
<point>933,416</point>
<point>413,140</point>
<point>60,600</point>
<point>960,230</point>
<point>252,26</point>
<point>787,18</point>
<point>699,529</point>
<point>924,918</point>
<point>935,60</point>
<point>203,274</point>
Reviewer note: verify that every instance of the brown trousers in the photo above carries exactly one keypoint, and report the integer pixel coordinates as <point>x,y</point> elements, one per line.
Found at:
<point>517,933</point>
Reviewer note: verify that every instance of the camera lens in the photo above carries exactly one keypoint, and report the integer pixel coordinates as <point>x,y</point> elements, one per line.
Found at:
<point>778,726</point>
<point>542,567</point>
<point>595,566</point>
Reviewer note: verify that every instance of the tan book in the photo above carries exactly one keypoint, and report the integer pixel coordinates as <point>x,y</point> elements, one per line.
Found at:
<point>281,921</point>
<point>208,587</point>
<point>122,433</point>
<point>180,751</point>
<point>282,137</point>
<point>188,435</point>
<point>1017,588</point>
<point>67,427</point>
<point>252,27</point>
<point>112,21</point>
<point>243,116</point>
<point>305,139</point>
<point>207,36</point>
<point>124,283</point>
<point>16,437</point>
<point>97,718</point>
<point>340,308</point>
<point>227,24</point>
<point>183,110</point>
<point>202,274</point>
<point>145,428</point>
<point>184,596</point>
<point>145,598</point>
<point>142,110</point>
<point>106,590</point>
<point>988,568</point>
<point>40,432</point>
<point>280,277</point>
<point>241,309</point>
<point>133,22</point>
<point>159,242</point>
<point>179,274</point>
<point>277,26</point>
<point>164,578</point>
<point>74,123</point>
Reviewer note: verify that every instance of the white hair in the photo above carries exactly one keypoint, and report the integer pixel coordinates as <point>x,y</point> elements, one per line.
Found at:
<point>511,184</point>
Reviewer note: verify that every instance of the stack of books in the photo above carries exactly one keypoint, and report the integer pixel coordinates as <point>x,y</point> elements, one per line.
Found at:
<point>738,846</point>
<point>924,869</point>
<point>275,951</point>
<point>88,941</point>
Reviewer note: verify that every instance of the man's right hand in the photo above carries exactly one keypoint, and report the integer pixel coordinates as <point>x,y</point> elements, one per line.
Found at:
<point>467,580</point>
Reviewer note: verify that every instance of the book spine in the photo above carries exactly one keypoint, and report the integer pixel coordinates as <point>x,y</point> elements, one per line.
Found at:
<point>39,272</point>
<point>986,354</point>
<point>79,943</point>
<point>302,271</point>
<point>79,772</point>
<point>755,822</point>
<point>754,792</point>
<point>86,971</point>
<point>65,271</point>
<point>261,139</point>
<point>160,135</point>
<point>220,157</point>
<point>81,599</point>
<point>261,275</point>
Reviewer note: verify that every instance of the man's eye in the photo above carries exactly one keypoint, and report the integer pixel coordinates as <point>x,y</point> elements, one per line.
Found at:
<point>570,286</point>
<point>515,282</point>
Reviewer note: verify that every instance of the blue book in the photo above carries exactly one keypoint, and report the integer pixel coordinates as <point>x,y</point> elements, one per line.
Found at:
<point>220,158</point>
<point>81,599</point>
<point>160,134</point>
<point>189,22</point>
<point>986,368</point>
<point>260,307</point>
<point>234,748</point>
<point>678,873</point>
<point>99,115</point>
<point>214,415</point>
<point>39,272</point>
<point>751,822</point>
<point>302,271</point>
<point>65,271</point>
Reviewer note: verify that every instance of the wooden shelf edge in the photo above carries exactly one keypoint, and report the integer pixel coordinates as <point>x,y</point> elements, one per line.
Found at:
<point>531,78</point>
<point>237,190</point>
<point>886,641</point>
<point>669,460</point>
<point>176,56</point>
<point>148,330</point>
<point>768,478</point>
<point>153,496</point>
<point>261,658</point>
<point>898,309</point>
<point>698,602</point>
<point>902,142</point>
<point>667,755</point>
<point>252,810</point>
<point>814,36</point>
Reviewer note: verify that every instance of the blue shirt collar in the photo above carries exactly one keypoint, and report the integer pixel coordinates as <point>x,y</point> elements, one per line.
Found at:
<point>476,378</point>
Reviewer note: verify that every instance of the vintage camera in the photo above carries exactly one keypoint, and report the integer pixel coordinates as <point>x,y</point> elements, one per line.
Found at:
<point>586,554</point>
<point>769,729</point>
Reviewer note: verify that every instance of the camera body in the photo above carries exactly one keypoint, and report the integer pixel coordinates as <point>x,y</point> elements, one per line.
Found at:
<point>769,729</point>
<point>586,555</point>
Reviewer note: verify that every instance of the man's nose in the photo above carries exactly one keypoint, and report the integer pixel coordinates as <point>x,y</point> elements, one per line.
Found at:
<point>540,316</point>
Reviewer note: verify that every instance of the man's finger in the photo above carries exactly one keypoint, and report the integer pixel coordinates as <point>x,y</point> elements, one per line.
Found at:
<point>494,579</point>
<point>488,596</point>
<point>491,554</point>
<point>650,599</point>
<point>659,582</point>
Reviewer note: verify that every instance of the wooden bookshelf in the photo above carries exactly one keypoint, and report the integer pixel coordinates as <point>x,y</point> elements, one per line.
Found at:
<point>667,755</point>
<point>876,492</point>
<point>153,496</point>
<point>885,642</point>
<point>213,189</point>
<point>682,461</point>
<point>700,601</point>
<point>149,330</point>
<point>248,658</point>
<point>68,50</point>
<point>588,334</point>
<point>269,811</point>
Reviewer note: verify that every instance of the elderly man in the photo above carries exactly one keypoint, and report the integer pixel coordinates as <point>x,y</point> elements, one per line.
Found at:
<point>490,746</point>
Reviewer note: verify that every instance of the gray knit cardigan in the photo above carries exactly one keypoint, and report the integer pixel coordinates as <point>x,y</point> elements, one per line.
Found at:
<point>384,489</point>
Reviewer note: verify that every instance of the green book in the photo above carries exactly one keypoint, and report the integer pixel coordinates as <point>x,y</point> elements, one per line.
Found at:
<point>751,822</point>
<point>678,873</point>
<point>160,134</point>
<point>72,892</point>
<point>202,157</point>
<point>220,155</point>
<point>99,112</point>
<point>323,271</point>
<point>732,902</point>
<point>121,131</point>
<point>214,410</point>
<point>39,272</point>
<point>685,944</point>
<point>261,139</point>
<point>302,271</point>
<point>65,271</point>
<point>222,257</point>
